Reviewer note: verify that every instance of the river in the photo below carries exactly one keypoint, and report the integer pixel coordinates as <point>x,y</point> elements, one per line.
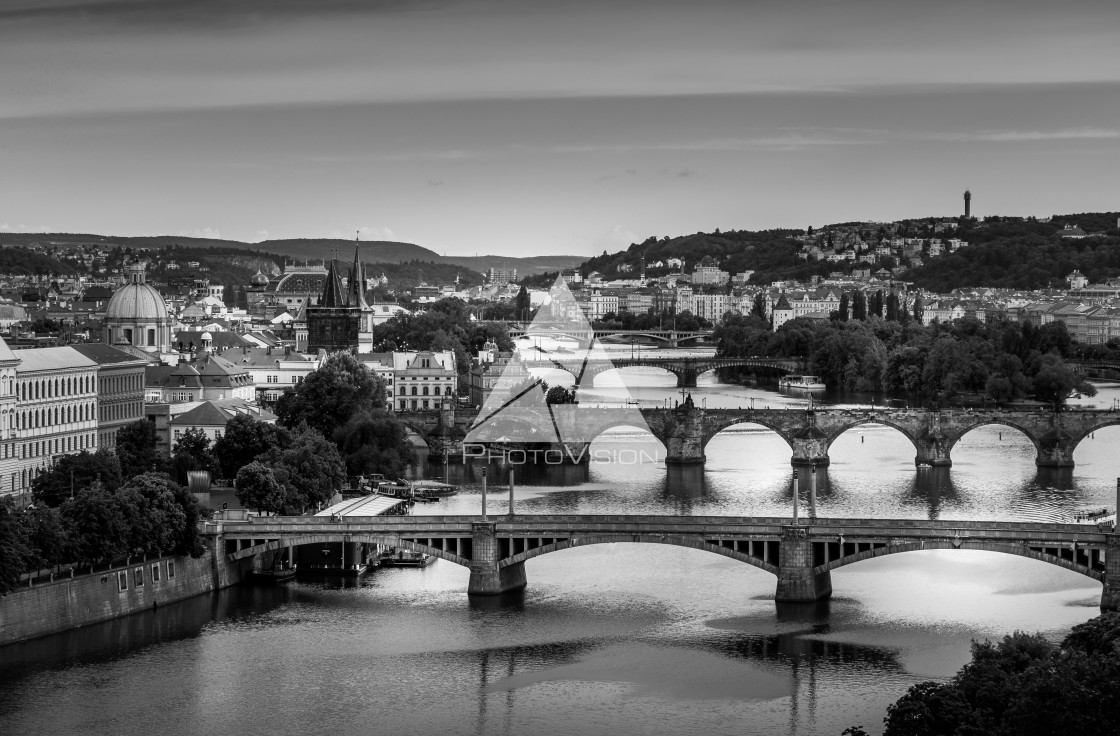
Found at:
<point>607,639</point>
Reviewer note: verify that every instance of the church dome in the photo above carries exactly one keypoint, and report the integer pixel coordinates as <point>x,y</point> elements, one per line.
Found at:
<point>136,300</point>
<point>259,279</point>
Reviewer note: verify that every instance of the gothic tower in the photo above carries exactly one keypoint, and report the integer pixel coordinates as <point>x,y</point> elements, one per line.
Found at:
<point>332,324</point>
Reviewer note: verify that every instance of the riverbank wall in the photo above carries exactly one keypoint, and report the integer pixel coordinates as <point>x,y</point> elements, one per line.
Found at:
<point>51,606</point>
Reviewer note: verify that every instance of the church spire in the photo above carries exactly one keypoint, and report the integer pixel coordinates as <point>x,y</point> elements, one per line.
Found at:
<point>356,289</point>
<point>332,289</point>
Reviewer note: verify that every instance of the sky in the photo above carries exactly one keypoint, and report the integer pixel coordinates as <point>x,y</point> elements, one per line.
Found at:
<point>529,128</point>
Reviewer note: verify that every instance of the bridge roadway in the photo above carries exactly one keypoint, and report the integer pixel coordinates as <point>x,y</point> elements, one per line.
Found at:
<point>686,430</point>
<point>802,556</point>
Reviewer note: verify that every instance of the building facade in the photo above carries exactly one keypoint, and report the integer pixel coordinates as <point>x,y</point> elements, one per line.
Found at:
<point>120,390</point>
<point>52,411</point>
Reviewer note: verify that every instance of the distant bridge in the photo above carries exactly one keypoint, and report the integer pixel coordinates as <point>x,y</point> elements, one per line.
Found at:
<point>686,431</point>
<point>687,370</point>
<point>802,556</point>
<point>1082,365</point>
<point>668,338</point>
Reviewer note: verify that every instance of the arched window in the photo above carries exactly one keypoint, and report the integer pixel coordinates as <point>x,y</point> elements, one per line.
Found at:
<point>151,337</point>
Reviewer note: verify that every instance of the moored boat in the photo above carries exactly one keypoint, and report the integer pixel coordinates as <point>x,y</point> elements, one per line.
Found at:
<point>808,383</point>
<point>404,558</point>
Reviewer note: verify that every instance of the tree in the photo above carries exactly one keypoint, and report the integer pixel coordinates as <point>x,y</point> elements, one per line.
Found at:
<point>758,307</point>
<point>374,442</point>
<point>893,312</point>
<point>1053,381</point>
<point>136,449</point>
<point>918,309</point>
<point>102,525</point>
<point>859,306</point>
<point>844,307</point>
<point>71,473</point>
<point>160,520</point>
<point>14,547</point>
<point>311,470</point>
<point>258,489</point>
<point>875,305</point>
<point>329,396</point>
<point>560,395</point>
<point>1023,685</point>
<point>243,439</point>
<point>47,536</point>
<point>192,452</point>
<point>522,304</point>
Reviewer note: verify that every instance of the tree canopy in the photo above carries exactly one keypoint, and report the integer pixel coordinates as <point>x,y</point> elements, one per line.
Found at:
<point>330,395</point>
<point>1023,686</point>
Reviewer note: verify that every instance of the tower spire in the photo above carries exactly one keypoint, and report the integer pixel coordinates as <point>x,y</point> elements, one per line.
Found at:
<point>356,288</point>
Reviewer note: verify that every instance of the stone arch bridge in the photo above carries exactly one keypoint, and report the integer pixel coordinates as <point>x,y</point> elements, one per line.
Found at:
<point>670,338</point>
<point>687,370</point>
<point>801,556</point>
<point>686,431</point>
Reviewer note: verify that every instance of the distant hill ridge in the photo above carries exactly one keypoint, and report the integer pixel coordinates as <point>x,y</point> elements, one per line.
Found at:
<point>301,249</point>
<point>1008,252</point>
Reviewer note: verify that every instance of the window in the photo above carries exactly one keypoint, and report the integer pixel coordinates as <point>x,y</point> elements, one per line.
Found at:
<point>122,580</point>
<point>138,577</point>
<point>170,569</point>
<point>178,434</point>
<point>413,393</point>
<point>155,573</point>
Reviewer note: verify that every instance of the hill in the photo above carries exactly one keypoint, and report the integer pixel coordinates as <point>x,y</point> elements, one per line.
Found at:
<point>525,266</point>
<point>1003,252</point>
<point>1025,255</point>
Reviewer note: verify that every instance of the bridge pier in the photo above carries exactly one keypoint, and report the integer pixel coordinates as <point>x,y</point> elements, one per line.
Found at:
<point>683,435</point>
<point>687,379</point>
<point>1110,596</point>
<point>1055,449</point>
<point>810,448</point>
<point>797,583</point>
<point>486,577</point>
<point>933,450</point>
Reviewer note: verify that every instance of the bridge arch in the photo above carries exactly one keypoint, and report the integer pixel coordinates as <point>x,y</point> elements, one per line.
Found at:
<point>1112,421</point>
<point>906,431</point>
<point>596,371</point>
<point>999,422</point>
<point>714,428</point>
<point>760,561</point>
<point>1020,550</point>
<point>386,540</point>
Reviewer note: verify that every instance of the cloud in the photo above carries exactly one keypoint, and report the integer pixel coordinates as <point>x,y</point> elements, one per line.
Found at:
<point>365,232</point>
<point>206,232</point>
<point>434,183</point>
<point>262,235</point>
<point>1025,136</point>
<point>5,226</point>
<point>614,239</point>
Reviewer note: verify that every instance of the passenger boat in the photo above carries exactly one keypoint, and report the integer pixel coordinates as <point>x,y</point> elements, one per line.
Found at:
<point>432,489</point>
<point>807,383</point>
<point>420,490</point>
<point>404,558</point>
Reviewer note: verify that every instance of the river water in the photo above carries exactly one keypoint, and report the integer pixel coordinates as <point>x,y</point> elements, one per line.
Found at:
<point>607,639</point>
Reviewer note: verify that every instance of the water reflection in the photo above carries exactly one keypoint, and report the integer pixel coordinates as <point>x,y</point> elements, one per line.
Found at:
<point>932,488</point>
<point>684,481</point>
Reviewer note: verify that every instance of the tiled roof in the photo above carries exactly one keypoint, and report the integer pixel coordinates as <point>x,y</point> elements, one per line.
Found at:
<point>48,359</point>
<point>105,354</point>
